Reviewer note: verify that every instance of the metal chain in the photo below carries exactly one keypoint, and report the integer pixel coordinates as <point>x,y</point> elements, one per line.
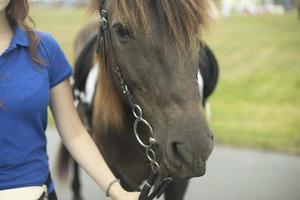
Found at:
<point>139,120</point>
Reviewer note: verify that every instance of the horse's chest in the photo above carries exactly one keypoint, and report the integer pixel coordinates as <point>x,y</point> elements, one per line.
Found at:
<point>125,157</point>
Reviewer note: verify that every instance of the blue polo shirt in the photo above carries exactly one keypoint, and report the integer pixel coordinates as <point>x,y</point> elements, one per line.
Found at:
<point>24,94</point>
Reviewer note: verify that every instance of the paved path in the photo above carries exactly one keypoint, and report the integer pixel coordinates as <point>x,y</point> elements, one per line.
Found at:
<point>232,174</point>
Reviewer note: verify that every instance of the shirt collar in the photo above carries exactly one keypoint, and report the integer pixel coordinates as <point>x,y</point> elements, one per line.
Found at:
<point>20,38</point>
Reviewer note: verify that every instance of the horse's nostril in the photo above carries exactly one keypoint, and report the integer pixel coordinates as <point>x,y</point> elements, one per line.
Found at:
<point>173,154</point>
<point>212,137</point>
<point>182,153</point>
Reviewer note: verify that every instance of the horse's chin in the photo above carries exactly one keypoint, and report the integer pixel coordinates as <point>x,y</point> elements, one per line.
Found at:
<point>184,172</point>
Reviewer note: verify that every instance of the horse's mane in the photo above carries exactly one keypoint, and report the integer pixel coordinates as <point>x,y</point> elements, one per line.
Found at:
<point>182,20</point>
<point>110,113</point>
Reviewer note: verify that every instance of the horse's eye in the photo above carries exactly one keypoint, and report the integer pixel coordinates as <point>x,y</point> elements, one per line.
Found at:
<point>122,32</point>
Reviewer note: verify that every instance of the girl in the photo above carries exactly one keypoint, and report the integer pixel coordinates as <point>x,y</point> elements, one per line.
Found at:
<point>34,74</point>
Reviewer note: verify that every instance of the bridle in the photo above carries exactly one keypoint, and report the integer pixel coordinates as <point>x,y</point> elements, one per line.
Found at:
<point>149,191</point>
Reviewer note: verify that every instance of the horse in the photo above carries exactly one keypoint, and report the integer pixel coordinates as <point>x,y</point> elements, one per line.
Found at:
<point>158,47</point>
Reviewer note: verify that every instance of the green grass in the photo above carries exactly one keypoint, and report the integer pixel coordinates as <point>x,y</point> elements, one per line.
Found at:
<point>62,23</point>
<point>257,102</point>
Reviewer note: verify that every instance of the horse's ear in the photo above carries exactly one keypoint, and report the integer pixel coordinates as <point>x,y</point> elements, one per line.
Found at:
<point>95,5</point>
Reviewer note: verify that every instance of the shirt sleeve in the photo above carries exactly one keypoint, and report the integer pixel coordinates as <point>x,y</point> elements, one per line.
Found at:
<point>59,69</point>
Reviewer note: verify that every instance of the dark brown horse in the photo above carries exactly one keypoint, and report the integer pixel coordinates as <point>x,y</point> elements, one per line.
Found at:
<point>157,45</point>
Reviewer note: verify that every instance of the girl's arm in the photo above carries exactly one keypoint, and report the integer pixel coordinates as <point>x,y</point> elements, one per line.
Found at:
<point>79,143</point>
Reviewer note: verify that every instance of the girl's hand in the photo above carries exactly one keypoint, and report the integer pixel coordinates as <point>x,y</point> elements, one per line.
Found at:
<point>130,196</point>
<point>118,193</point>
<point>127,196</point>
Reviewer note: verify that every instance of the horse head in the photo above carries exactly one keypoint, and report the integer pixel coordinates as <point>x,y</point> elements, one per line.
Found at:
<point>157,45</point>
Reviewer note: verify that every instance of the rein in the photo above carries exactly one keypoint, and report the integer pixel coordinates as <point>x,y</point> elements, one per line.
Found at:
<point>149,191</point>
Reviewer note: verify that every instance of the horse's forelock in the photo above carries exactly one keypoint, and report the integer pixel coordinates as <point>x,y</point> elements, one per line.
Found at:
<point>183,21</point>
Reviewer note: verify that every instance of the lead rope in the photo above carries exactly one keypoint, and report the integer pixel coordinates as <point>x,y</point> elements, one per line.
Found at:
<point>105,37</point>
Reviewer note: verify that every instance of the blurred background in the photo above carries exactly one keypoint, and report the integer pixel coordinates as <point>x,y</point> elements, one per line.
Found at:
<point>256,106</point>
